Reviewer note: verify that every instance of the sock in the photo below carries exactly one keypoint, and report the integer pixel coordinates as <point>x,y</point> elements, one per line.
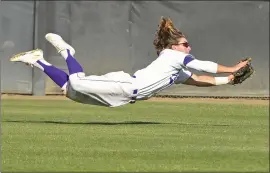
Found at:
<point>72,63</point>
<point>58,76</point>
<point>36,64</point>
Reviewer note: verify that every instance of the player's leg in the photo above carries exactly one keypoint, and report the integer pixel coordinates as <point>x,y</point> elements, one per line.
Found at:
<point>58,76</point>
<point>94,88</point>
<point>66,51</point>
<point>75,69</point>
<point>35,58</point>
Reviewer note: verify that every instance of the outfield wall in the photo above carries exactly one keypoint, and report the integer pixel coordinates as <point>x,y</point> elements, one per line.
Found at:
<point>118,35</point>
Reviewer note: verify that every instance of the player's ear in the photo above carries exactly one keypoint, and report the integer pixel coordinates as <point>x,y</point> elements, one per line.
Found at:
<point>174,47</point>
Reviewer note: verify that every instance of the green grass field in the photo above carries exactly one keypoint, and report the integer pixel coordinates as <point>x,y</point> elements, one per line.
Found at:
<point>55,135</point>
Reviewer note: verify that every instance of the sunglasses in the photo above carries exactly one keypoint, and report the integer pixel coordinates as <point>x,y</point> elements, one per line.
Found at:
<point>185,44</point>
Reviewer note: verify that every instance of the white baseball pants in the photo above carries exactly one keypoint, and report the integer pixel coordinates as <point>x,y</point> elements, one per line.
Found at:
<point>111,90</point>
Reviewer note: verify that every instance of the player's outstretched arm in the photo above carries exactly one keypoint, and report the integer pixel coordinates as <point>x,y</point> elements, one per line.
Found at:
<point>225,69</point>
<point>207,81</point>
<point>212,67</point>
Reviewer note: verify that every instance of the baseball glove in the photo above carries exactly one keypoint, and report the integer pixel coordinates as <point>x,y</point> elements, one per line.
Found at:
<point>243,73</point>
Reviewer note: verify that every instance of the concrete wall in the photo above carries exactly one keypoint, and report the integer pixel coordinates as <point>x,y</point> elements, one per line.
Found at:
<point>16,35</point>
<point>118,35</point>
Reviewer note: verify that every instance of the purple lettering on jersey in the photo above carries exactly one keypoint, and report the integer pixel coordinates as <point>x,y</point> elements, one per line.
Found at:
<point>188,59</point>
<point>171,81</point>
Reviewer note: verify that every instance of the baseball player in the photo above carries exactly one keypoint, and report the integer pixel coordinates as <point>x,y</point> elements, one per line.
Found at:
<point>119,88</point>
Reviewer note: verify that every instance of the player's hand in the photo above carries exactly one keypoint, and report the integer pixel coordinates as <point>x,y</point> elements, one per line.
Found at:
<point>231,77</point>
<point>240,65</point>
<point>245,70</point>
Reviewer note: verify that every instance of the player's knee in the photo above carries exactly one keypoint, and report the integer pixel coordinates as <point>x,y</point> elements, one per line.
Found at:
<point>76,82</point>
<point>77,85</point>
<point>64,88</point>
<point>64,91</point>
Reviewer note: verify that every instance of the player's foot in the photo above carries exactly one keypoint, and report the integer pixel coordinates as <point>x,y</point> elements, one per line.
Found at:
<point>29,57</point>
<point>58,42</point>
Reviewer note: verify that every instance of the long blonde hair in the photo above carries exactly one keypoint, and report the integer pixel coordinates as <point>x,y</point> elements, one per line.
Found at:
<point>166,35</point>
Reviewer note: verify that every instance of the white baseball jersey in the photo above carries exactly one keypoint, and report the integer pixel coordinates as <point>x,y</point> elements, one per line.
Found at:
<point>168,68</point>
<point>119,88</point>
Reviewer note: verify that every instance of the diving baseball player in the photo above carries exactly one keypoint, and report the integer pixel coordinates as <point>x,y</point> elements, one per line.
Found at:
<point>119,88</point>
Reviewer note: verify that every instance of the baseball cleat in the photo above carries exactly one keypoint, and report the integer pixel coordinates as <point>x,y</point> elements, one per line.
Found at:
<point>58,42</point>
<point>29,57</point>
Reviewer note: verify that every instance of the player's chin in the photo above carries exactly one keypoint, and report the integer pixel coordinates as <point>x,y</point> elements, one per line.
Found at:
<point>187,52</point>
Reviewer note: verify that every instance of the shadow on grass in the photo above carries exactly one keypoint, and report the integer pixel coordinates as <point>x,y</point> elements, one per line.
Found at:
<point>112,123</point>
